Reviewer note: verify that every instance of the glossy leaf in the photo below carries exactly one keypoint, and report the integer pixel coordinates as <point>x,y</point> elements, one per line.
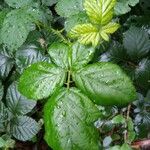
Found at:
<point>105,84</point>
<point>99,11</point>
<point>29,54</point>
<point>59,53</point>
<point>69,117</point>
<point>17,103</point>
<point>81,55</point>
<point>1,91</point>
<point>18,3</point>
<point>67,8</point>
<point>124,6</point>
<point>24,128</point>
<point>6,63</point>
<point>137,43</point>
<point>40,80</point>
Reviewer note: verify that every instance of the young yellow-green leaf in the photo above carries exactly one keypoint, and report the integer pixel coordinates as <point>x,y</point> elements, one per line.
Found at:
<point>40,80</point>
<point>86,34</point>
<point>105,84</point>
<point>59,53</point>
<point>99,11</point>
<point>69,116</point>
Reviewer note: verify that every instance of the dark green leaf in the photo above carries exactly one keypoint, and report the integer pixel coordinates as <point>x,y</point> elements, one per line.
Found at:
<point>40,80</point>
<point>68,117</point>
<point>17,103</point>
<point>3,115</point>
<point>81,55</point>
<point>2,16</point>
<point>6,63</point>
<point>59,53</point>
<point>1,91</point>
<point>27,55</point>
<point>18,3</point>
<point>24,128</point>
<point>137,43</point>
<point>105,84</point>
<point>67,8</point>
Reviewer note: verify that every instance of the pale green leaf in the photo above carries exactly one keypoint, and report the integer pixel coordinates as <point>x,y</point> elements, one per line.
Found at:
<point>118,119</point>
<point>69,116</point>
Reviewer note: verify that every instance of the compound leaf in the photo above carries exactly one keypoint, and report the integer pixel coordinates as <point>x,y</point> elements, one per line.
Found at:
<point>105,84</point>
<point>69,117</point>
<point>40,80</point>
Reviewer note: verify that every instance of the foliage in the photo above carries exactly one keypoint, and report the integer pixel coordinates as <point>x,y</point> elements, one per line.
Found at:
<point>60,66</point>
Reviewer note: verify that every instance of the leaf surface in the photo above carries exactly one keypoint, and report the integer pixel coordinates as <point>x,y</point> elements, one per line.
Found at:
<point>69,117</point>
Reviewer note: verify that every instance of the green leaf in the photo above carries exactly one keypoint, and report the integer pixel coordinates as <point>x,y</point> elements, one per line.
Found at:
<point>29,54</point>
<point>81,55</point>
<point>6,63</point>
<point>49,2</point>
<point>119,119</point>
<point>142,74</point>
<point>1,91</point>
<point>59,53</point>
<point>117,147</point>
<point>69,117</point>
<point>125,147</point>
<point>2,16</point>
<point>74,20</point>
<point>123,6</point>
<point>18,3</point>
<point>2,142</point>
<point>105,84</point>
<point>16,23</point>
<point>24,128</point>
<point>17,103</point>
<point>40,80</point>
<point>137,43</point>
<point>67,8</point>
<point>99,11</point>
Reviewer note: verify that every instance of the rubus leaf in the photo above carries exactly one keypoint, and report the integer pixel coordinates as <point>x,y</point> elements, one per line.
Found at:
<point>6,63</point>
<point>18,3</point>
<point>59,53</point>
<point>29,54</point>
<point>40,80</point>
<point>1,91</point>
<point>99,11</point>
<point>123,6</point>
<point>137,43</point>
<point>81,55</point>
<point>24,128</point>
<point>105,84</point>
<point>142,74</point>
<point>68,117</point>
<point>67,8</point>
<point>17,103</point>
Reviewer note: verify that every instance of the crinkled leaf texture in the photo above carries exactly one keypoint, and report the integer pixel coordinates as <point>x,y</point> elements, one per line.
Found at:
<point>24,128</point>
<point>69,117</point>
<point>105,84</point>
<point>123,6</point>
<point>100,14</point>
<point>17,103</point>
<point>18,3</point>
<point>40,80</point>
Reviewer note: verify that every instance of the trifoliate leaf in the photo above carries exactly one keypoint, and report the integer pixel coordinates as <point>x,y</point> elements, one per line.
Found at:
<point>105,84</point>
<point>67,8</point>
<point>29,54</point>
<point>17,103</point>
<point>69,117</point>
<point>24,128</point>
<point>81,55</point>
<point>59,53</point>
<point>6,63</point>
<point>137,43</point>
<point>99,11</point>
<point>124,6</point>
<point>40,80</point>
<point>18,3</point>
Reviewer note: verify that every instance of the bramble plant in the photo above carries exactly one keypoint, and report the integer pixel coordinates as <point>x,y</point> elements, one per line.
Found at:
<point>85,62</point>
